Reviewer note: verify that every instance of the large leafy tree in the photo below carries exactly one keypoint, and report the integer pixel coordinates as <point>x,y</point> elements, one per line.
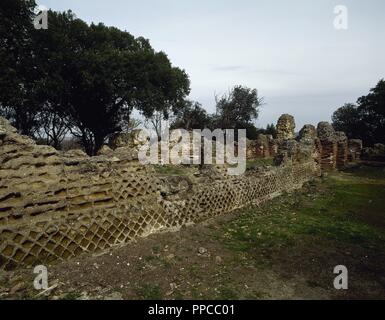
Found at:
<point>192,116</point>
<point>238,109</point>
<point>89,78</point>
<point>348,119</point>
<point>366,119</point>
<point>103,74</point>
<point>372,111</point>
<point>19,74</point>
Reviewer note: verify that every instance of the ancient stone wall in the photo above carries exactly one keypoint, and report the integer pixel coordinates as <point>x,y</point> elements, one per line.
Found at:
<point>285,127</point>
<point>262,147</point>
<point>342,149</point>
<point>55,206</point>
<point>329,146</point>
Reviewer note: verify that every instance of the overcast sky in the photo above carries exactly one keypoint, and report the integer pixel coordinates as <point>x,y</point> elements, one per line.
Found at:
<point>289,50</point>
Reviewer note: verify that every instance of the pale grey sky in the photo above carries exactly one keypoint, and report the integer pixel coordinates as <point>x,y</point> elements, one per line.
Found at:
<point>288,50</point>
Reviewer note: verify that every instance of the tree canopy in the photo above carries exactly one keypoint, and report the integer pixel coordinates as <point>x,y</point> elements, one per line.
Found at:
<point>192,116</point>
<point>87,78</point>
<point>18,72</point>
<point>366,119</point>
<point>237,110</point>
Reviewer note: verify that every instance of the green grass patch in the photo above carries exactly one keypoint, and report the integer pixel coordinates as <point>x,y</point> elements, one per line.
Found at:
<point>367,172</point>
<point>342,210</point>
<point>150,292</point>
<point>227,292</point>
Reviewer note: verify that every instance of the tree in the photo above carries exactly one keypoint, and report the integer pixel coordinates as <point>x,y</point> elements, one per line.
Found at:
<point>251,130</point>
<point>366,120</point>
<point>130,124</point>
<point>192,116</point>
<point>53,127</point>
<point>114,74</point>
<point>155,122</point>
<point>348,119</point>
<point>19,75</point>
<point>105,73</point>
<point>270,130</point>
<point>238,109</point>
<point>90,77</point>
<point>372,111</point>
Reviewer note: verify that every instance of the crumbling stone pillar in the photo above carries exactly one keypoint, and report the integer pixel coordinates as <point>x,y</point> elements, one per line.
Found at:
<point>285,127</point>
<point>343,150</point>
<point>309,143</point>
<point>328,140</point>
<point>287,147</point>
<point>318,147</point>
<point>287,152</point>
<point>308,132</point>
<point>262,143</point>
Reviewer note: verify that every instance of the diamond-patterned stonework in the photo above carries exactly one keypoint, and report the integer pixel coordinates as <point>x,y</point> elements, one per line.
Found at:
<point>55,206</point>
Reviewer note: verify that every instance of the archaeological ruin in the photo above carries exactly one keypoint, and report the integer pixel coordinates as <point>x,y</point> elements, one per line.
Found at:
<point>57,205</point>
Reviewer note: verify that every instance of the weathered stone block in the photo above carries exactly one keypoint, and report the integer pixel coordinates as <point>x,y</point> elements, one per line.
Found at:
<point>285,127</point>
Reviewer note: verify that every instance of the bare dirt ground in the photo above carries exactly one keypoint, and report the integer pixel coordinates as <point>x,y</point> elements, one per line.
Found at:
<point>286,249</point>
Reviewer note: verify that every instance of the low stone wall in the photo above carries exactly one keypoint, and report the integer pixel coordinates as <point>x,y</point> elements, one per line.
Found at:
<point>55,206</point>
<point>342,149</point>
<point>263,147</point>
<point>329,146</point>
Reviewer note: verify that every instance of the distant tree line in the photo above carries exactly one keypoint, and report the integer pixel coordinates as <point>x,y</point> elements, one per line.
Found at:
<point>85,80</point>
<point>366,119</point>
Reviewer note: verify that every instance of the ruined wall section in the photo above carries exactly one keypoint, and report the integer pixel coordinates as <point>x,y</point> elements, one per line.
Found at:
<point>209,200</point>
<point>329,146</point>
<point>342,149</point>
<point>55,205</point>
